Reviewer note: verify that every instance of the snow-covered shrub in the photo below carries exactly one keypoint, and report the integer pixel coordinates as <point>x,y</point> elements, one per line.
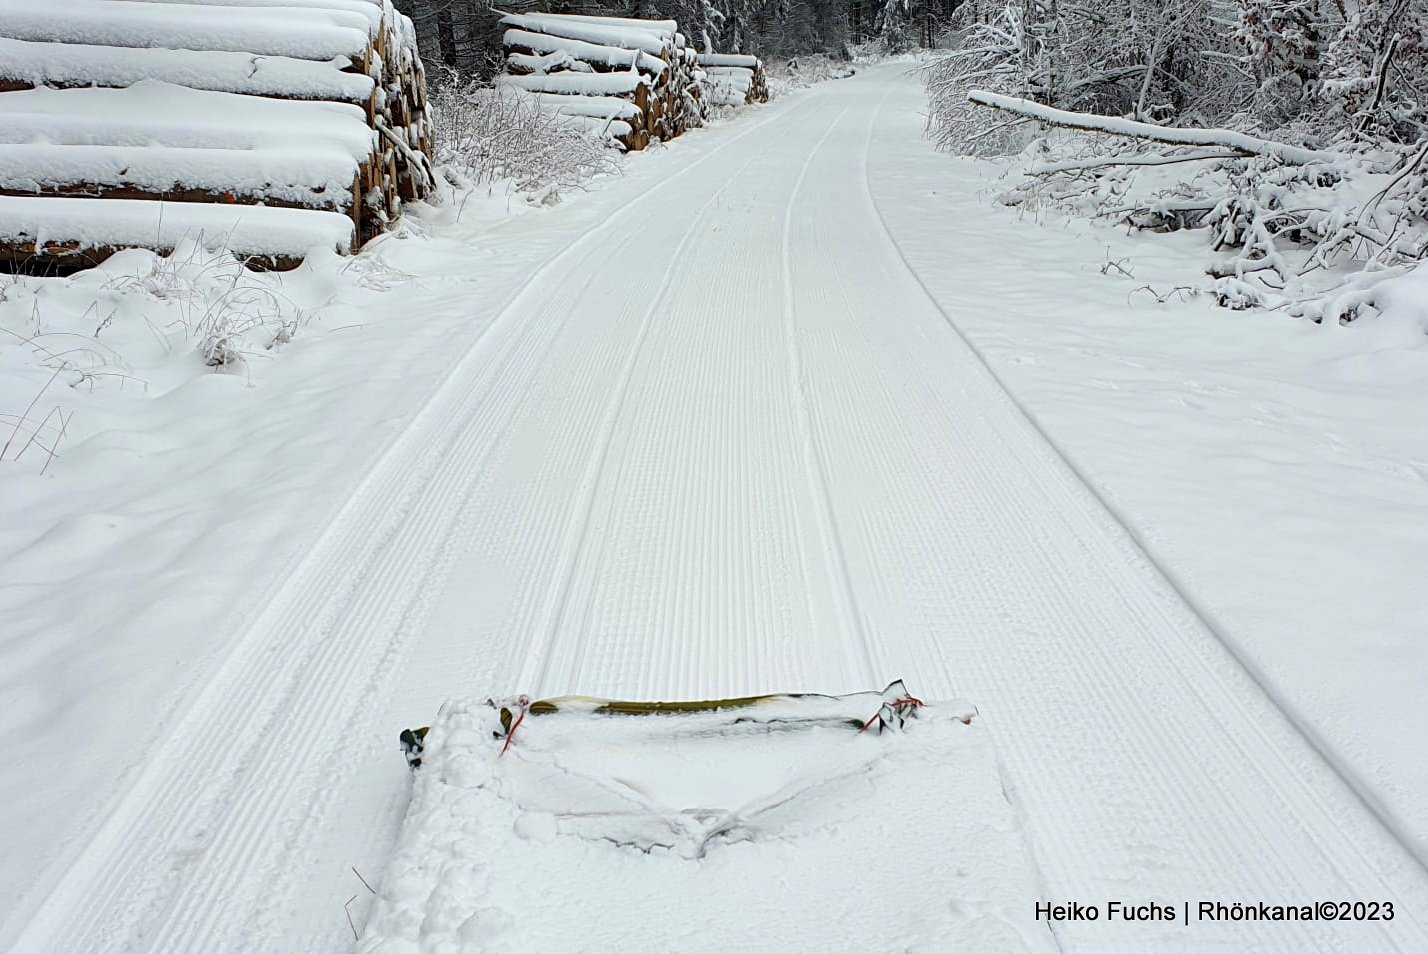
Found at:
<point>1314,239</point>
<point>1376,70</point>
<point>484,134</point>
<point>996,54</point>
<point>800,72</point>
<point>817,68</point>
<point>1304,134</point>
<point>1148,59</point>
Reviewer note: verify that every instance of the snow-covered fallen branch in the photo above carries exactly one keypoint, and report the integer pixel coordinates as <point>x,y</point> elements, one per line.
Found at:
<point>1319,240</point>
<point>1241,143</point>
<point>1105,162</point>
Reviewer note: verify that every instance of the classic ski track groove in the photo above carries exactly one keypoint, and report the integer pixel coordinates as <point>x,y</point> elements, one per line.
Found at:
<point>581,658</point>
<point>129,872</point>
<point>657,471</point>
<point>850,613</point>
<point>536,669</point>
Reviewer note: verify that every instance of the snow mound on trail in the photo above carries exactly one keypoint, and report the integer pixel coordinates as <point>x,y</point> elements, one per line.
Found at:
<point>707,832</point>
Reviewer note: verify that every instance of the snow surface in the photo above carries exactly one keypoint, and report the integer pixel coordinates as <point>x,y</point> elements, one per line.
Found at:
<point>158,137</point>
<point>690,809</point>
<point>665,28</point>
<point>304,33</point>
<point>310,177</point>
<point>728,59</point>
<point>1277,469</point>
<point>628,36</point>
<point>589,52</point>
<point>117,223</point>
<point>578,84</point>
<point>163,114</point>
<point>76,64</point>
<point>835,418</point>
<point>373,10</point>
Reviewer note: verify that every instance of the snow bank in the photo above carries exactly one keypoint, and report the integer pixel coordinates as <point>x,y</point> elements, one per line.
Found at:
<point>704,835</point>
<point>77,64</point>
<point>1404,301</point>
<point>309,34</point>
<point>117,223</point>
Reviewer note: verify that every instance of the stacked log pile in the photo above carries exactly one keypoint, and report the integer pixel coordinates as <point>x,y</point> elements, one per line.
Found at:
<point>734,79</point>
<point>578,64</point>
<point>306,123</point>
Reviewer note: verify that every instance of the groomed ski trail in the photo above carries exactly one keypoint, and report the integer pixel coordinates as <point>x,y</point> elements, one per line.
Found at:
<point>698,441</point>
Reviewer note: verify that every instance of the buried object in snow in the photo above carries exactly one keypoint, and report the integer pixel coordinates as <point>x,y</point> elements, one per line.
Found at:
<point>586,824</point>
<point>889,709</point>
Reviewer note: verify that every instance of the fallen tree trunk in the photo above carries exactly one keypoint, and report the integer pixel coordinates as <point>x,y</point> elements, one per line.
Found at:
<point>1238,142</point>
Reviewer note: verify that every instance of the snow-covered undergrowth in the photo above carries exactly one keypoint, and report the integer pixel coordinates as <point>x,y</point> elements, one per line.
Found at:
<point>1274,467</point>
<point>485,135</point>
<point>800,72</point>
<point>1295,141</point>
<point>1324,241</point>
<point>75,350</point>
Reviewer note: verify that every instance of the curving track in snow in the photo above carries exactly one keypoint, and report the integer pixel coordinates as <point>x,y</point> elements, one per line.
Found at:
<point>727,443</point>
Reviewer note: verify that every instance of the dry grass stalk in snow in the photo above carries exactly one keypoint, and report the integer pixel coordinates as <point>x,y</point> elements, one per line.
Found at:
<point>135,327</point>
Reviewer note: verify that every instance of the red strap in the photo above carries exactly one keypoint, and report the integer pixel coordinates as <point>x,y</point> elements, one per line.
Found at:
<point>514,726</point>
<point>902,703</point>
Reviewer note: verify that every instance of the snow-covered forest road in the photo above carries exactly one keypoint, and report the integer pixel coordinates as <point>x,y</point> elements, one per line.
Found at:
<point>725,441</point>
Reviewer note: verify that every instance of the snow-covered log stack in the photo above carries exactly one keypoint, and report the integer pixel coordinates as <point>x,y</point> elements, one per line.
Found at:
<point>585,66</point>
<point>266,126</point>
<point>734,79</point>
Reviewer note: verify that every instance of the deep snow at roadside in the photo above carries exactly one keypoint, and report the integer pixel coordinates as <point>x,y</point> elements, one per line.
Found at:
<point>1275,469</point>
<point>709,832</point>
